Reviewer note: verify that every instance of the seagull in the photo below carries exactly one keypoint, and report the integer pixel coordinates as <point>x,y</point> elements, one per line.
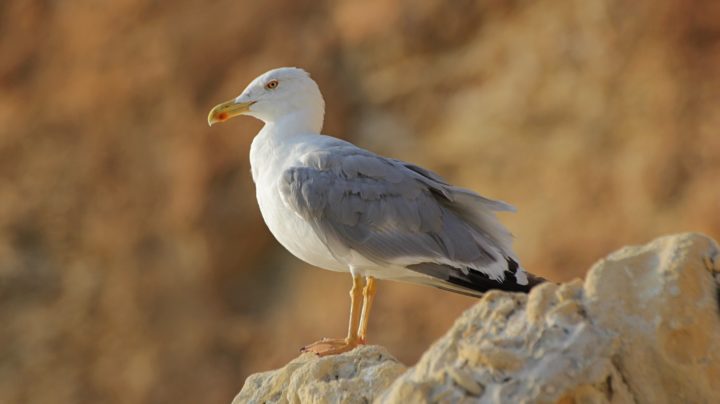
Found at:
<point>343,208</point>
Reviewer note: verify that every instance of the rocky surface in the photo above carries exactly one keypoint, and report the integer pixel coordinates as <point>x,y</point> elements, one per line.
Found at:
<point>354,377</point>
<point>644,327</point>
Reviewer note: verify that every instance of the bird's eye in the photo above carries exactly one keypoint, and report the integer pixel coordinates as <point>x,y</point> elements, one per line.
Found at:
<point>271,85</point>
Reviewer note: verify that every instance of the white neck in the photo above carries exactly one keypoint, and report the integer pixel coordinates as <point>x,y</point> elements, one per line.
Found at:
<point>280,133</point>
<point>305,121</point>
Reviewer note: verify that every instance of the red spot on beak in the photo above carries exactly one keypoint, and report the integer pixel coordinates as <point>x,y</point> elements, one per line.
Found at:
<point>222,116</point>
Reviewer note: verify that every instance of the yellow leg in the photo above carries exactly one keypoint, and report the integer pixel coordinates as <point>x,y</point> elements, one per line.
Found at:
<point>368,297</point>
<point>356,301</point>
<point>334,346</point>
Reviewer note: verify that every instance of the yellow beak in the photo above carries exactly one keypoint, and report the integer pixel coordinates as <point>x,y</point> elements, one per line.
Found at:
<point>226,110</point>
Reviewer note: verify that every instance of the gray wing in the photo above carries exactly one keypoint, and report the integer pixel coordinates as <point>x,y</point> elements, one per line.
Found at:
<point>395,213</point>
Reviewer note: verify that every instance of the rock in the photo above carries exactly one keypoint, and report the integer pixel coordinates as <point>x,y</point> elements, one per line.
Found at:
<point>644,327</point>
<point>660,300</point>
<point>496,345</point>
<point>353,377</point>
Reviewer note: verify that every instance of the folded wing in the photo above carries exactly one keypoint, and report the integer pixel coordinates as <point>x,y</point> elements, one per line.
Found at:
<point>395,213</point>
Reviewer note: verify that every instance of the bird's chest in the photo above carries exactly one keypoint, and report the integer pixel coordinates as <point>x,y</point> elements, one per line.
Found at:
<point>293,232</point>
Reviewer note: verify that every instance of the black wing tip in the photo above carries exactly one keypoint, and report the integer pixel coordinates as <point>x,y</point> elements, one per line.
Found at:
<point>512,265</point>
<point>477,281</point>
<point>533,280</point>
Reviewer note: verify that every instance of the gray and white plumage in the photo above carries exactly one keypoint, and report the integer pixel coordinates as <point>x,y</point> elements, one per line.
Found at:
<point>343,208</point>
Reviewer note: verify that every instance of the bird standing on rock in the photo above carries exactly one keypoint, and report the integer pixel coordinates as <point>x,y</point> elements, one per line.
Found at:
<point>342,208</point>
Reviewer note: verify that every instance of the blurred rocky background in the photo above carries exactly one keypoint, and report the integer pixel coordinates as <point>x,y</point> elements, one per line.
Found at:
<point>134,265</point>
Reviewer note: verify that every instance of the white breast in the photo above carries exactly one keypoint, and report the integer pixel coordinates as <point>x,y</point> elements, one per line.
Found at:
<point>267,158</point>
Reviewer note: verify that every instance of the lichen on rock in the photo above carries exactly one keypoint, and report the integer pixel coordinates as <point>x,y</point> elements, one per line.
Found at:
<point>644,327</point>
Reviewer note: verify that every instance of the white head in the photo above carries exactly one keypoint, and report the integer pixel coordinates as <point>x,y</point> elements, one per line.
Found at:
<point>279,95</point>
